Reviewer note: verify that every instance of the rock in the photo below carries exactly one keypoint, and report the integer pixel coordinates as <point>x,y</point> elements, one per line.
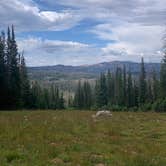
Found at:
<point>100,164</point>
<point>104,113</point>
<point>57,161</point>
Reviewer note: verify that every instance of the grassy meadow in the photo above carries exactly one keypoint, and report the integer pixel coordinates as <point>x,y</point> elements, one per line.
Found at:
<point>40,138</point>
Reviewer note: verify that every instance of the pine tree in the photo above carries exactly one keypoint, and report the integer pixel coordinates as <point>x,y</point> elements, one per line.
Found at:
<point>136,94</point>
<point>46,99</point>
<point>149,92</point>
<point>163,73</point>
<point>25,85</point>
<point>101,91</point>
<point>61,102</point>
<point>87,95</point>
<point>129,90</point>
<point>124,86</point>
<point>70,101</point>
<point>110,87</point>
<point>52,97</point>
<point>78,99</point>
<point>57,96</point>
<point>35,95</point>
<point>118,87</point>
<point>13,70</point>
<point>155,86</point>
<point>142,84</point>
<point>14,84</point>
<point>3,88</point>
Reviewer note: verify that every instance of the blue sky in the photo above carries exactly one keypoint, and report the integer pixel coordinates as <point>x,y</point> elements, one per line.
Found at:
<point>74,32</point>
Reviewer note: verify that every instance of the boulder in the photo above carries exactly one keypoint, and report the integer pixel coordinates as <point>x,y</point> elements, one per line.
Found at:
<point>103,113</point>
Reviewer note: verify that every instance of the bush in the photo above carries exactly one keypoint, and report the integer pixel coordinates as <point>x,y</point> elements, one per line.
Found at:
<point>134,109</point>
<point>160,106</point>
<point>146,107</point>
<point>117,108</point>
<point>10,156</point>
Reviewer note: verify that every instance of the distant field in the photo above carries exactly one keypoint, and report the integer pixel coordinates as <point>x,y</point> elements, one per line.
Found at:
<point>74,138</point>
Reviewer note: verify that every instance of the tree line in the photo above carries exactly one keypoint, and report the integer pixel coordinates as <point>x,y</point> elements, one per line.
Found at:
<point>16,91</point>
<point>122,91</point>
<point>119,90</point>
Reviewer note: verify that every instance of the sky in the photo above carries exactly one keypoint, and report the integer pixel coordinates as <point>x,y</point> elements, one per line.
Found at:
<point>83,32</point>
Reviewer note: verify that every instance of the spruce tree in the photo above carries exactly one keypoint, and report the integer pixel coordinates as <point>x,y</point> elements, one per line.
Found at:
<point>35,95</point>
<point>124,86</point>
<point>163,73</point>
<point>78,99</point>
<point>142,84</point>
<point>118,87</point>
<point>110,88</point>
<point>87,95</point>
<point>155,86</point>
<point>25,85</point>
<point>61,102</point>
<point>149,92</point>
<point>101,91</point>
<point>136,94</point>
<point>129,90</point>
<point>52,97</point>
<point>13,70</point>
<point>3,88</point>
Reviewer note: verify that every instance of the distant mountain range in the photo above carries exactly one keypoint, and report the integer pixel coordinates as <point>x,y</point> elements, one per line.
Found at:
<point>62,72</point>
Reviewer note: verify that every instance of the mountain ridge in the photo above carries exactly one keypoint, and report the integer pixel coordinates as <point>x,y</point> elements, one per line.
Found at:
<point>68,72</point>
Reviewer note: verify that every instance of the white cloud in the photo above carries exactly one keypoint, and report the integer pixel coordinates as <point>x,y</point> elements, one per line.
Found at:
<point>51,52</point>
<point>26,15</point>
<point>131,40</point>
<point>139,11</point>
<point>135,26</point>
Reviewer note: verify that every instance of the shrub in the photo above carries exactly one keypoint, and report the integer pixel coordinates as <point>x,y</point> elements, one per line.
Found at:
<point>160,106</point>
<point>10,156</point>
<point>146,107</point>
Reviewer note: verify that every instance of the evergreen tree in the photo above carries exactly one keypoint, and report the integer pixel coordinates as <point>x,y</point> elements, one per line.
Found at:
<point>13,70</point>
<point>25,85</point>
<point>163,73</point>
<point>142,84</point>
<point>124,86</point>
<point>110,87</point>
<point>78,99</point>
<point>57,96</point>
<point>129,90</point>
<point>149,92</point>
<point>155,86</point>
<point>135,94</point>
<point>52,97</point>
<point>87,95</point>
<point>118,87</point>
<point>70,101</point>
<point>35,95</point>
<point>3,88</point>
<point>45,99</point>
<point>61,102</point>
<point>101,91</point>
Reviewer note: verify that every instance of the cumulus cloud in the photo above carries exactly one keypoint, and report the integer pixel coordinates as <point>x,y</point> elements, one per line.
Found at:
<point>26,16</point>
<point>142,11</point>
<point>129,28</point>
<point>131,40</point>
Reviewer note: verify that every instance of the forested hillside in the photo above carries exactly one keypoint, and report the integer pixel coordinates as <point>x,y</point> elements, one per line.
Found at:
<point>61,72</point>
<point>115,85</point>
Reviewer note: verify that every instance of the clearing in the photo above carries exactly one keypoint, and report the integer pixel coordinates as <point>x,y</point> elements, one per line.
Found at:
<point>48,138</point>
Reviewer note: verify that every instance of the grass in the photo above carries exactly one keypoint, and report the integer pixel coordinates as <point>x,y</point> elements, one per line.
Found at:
<point>73,138</point>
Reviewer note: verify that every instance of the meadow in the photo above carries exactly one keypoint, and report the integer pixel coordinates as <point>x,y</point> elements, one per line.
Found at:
<point>48,138</point>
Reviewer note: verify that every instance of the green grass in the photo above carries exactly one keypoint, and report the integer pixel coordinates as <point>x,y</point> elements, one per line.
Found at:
<point>73,138</point>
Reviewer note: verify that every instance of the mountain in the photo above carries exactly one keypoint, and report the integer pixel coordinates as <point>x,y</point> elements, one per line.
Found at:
<point>62,72</point>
